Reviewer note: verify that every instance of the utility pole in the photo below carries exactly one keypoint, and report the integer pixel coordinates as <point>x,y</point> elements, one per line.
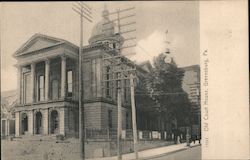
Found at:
<point>132,90</point>
<point>125,68</point>
<point>119,102</point>
<point>85,12</point>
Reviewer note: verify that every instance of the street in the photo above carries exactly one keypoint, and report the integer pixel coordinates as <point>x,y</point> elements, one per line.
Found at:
<point>189,154</point>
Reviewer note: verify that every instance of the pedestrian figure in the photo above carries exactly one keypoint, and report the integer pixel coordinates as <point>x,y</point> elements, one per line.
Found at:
<point>179,139</point>
<point>194,138</point>
<point>199,138</point>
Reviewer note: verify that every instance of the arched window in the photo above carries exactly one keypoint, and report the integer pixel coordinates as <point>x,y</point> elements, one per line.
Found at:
<point>24,121</point>
<point>54,122</point>
<point>38,123</point>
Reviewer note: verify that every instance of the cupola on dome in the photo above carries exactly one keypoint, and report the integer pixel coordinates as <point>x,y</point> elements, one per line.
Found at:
<point>103,29</point>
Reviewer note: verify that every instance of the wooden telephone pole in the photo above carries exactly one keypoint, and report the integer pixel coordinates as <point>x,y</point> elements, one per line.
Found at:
<point>85,12</point>
<point>132,90</point>
<point>126,69</point>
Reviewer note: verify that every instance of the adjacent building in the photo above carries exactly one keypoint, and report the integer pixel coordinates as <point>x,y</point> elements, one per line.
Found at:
<point>8,102</point>
<point>191,85</point>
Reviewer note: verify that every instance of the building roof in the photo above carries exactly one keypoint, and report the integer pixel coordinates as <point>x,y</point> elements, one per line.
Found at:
<point>192,67</point>
<point>40,41</point>
<point>8,101</point>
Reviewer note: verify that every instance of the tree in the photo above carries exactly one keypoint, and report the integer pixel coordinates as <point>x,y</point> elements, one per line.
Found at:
<point>164,84</point>
<point>145,105</point>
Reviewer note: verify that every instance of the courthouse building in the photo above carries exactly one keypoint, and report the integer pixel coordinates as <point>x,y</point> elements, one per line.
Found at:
<point>47,93</point>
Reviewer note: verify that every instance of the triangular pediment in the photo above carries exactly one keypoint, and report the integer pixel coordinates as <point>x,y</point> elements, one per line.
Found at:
<point>37,42</point>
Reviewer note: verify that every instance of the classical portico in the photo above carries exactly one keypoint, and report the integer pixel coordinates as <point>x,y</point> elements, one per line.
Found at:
<point>47,67</point>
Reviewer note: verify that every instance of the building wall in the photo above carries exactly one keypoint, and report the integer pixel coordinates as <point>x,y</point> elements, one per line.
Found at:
<point>92,114</point>
<point>92,74</point>
<point>191,83</point>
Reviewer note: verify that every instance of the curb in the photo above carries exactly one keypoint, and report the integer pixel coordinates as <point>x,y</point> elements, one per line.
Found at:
<point>168,153</point>
<point>163,154</point>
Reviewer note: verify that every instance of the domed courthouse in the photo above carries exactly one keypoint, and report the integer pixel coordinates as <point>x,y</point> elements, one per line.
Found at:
<point>47,96</point>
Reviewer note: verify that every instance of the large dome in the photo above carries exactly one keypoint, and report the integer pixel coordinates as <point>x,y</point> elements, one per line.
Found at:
<point>103,29</point>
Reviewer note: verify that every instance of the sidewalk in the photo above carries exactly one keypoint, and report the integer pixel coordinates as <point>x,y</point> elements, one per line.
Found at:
<point>151,153</point>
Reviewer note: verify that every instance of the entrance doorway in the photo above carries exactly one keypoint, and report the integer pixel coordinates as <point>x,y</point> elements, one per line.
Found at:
<point>24,121</point>
<point>38,124</point>
<point>54,125</point>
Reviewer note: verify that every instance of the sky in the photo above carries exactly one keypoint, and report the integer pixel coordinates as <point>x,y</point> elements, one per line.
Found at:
<point>21,20</point>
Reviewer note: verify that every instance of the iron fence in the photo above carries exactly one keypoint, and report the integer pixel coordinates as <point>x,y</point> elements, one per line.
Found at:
<point>111,134</point>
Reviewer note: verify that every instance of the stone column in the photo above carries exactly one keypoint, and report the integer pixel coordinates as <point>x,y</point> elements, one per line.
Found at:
<point>45,117</point>
<point>63,76</point>
<point>61,122</point>
<point>17,123</point>
<point>19,76</point>
<point>47,70</point>
<point>30,122</point>
<point>32,66</point>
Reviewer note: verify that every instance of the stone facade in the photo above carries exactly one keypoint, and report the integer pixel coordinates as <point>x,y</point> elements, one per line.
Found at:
<point>47,93</point>
<point>44,64</point>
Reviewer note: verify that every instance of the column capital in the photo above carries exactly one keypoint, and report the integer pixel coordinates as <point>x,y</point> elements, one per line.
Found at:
<point>33,64</point>
<point>47,61</point>
<point>63,57</point>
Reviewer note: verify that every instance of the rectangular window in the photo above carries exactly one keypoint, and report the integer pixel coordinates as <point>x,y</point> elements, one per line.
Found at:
<point>41,88</point>
<point>70,83</point>
<point>125,91</point>
<point>118,84</point>
<point>27,88</point>
<point>110,118</point>
<point>107,83</point>
<point>127,121</point>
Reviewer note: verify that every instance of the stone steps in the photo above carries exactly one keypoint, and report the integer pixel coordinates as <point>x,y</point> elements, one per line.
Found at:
<point>36,138</point>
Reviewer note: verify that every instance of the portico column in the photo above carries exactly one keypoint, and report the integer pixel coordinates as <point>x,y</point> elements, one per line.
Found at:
<point>19,76</point>
<point>32,66</point>
<point>47,70</point>
<point>45,116</point>
<point>62,121</point>
<point>30,122</point>
<point>63,76</point>
<point>17,122</point>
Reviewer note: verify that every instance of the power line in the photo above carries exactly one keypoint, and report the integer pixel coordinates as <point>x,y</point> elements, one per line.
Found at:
<point>125,72</point>
<point>84,11</point>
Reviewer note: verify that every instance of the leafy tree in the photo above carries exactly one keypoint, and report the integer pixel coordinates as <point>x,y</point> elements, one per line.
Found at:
<point>164,85</point>
<point>146,105</point>
<point>143,98</point>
